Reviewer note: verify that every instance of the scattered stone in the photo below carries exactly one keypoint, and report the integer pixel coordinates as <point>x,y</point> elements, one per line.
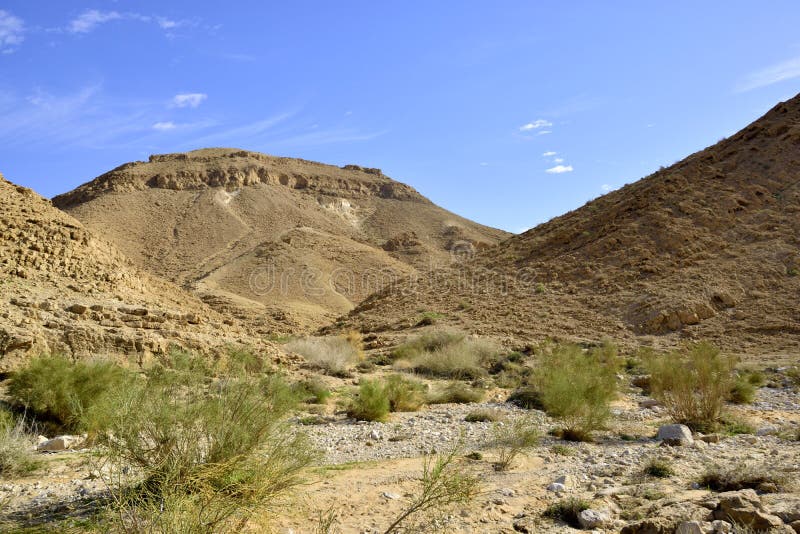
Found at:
<point>556,487</point>
<point>59,443</point>
<point>591,519</point>
<point>690,527</point>
<point>675,435</point>
<point>390,496</point>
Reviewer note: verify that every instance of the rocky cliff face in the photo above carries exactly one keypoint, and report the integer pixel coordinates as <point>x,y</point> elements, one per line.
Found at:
<point>233,169</point>
<point>64,290</point>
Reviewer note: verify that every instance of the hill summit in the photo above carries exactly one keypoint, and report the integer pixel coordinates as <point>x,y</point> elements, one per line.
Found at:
<point>285,244</point>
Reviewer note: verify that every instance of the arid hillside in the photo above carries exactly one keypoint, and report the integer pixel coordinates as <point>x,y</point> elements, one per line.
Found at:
<point>285,244</point>
<point>64,290</point>
<point>707,248</point>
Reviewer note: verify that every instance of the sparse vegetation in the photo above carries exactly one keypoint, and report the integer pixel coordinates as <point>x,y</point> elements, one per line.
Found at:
<point>693,384</point>
<point>562,450</point>
<point>577,388</point>
<point>443,483</point>
<point>659,468</point>
<point>763,478</point>
<point>312,391</point>
<point>513,439</point>
<point>484,415</point>
<point>743,390</point>
<point>447,354</point>
<point>16,448</point>
<point>527,397</point>
<point>371,403</point>
<point>456,393</point>
<point>567,510</point>
<point>333,355</point>
<point>405,394</point>
<point>735,426</point>
<point>193,458</point>
<point>59,391</point>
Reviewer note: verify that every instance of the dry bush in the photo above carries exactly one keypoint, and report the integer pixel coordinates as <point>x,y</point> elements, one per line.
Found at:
<point>577,388</point>
<point>333,355</point>
<point>443,484</point>
<point>567,510</point>
<point>659,468</point>
<point>16,448</point>
<point>456,393</point>
<point>693,384</point>
<point>763,478</point>
<point>513,439</point>
<point>447,354</point>
<point>484,415</point>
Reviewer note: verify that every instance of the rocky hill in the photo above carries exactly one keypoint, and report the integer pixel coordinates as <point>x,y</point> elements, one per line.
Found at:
<point>709,247</point>
<point>62,289</point>
<point>282,243</point>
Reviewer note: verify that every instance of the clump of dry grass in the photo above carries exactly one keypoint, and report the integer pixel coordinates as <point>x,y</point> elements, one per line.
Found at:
<point>763,478</point>
<point>334,355</point>
<point>16,447</point>
<point>447,354</point>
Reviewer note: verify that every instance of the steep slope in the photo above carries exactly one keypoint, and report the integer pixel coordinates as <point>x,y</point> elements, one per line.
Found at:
<point>283,243</point>
<point>64,290</point>
<point>709,247</point>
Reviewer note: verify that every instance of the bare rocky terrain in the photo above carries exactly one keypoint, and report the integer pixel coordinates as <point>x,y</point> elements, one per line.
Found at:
<point>706,248</point>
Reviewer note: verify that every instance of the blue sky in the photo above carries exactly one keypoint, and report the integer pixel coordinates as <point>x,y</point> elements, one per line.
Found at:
<point>508,113</point>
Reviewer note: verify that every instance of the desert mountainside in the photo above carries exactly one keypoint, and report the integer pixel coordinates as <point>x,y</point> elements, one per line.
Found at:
<point>707,248</point>
<point>286,244</point>
<point>65,290</point>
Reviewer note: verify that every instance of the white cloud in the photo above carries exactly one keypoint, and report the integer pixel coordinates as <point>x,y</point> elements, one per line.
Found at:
<point>535,125</point>
<point>483,164</point>
<point>167,24</point>
<point>188,100</point>
<point>88,20</point>
<point>779,72</point>
<point>559,169</point>
<point>164,126</point>
<point>558,160</point>
<point>545,132</point>
<point>12,32</point>
<point>549,153</point>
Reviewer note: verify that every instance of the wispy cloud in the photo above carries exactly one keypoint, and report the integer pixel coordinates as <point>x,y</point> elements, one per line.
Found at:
<point>188,100</point>
<point>164,126</point>
<point>544,132</point>
<point>239,134</point>
<point>607,187</point>
<point>535,125</point>
<point>558,160</point>
<point>779,72</point>
<point>89,20</point>
<point>559,169</point>
<point>549,153</point>
<point>12,32</point>
<point>483,164</point>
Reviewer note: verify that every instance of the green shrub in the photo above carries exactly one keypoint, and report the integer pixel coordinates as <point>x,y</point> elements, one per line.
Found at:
<point>427,342</point>
<point>742,391</point>
<point>659,468</point>
<point>244,361</point>
<point>734,426</point>
<point>527,397</point>
<point>312,391</point>
<point>190,458</point>
<point>577,388</point>
<point>513,439</point>
<point>567,510</point>
<point>484,415</point>
<point>333,355</point>
<point>60,391</point>
<point>443,484</point>
<point>371,403</point>
<point>562,450</point>
<point>456,393</point>
<point>16,448</point>
<point>405,394</point>
<point>693,384</point>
